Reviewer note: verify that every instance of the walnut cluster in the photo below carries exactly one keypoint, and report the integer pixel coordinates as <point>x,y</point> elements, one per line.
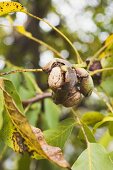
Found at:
<point>68,84</point>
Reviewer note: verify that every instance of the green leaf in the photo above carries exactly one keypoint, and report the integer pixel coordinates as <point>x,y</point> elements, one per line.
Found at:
<point>9,87</point>
<point>27,89</point>
<point>15,78</point>
<point>88,133</point>
<point>92,117</point>
<point>107,85</point>
<point>111,155</point>
<point>24,162</point>
<point>8,7</point>
<point>95,157</point>
<point>32,113</point>
<point>52,112</point>
<point>1,108</point>
<point>110,128</point>
<point>59,135</point>
<point>105,139</point>
<point>7,130</point>
<point>106,119</point>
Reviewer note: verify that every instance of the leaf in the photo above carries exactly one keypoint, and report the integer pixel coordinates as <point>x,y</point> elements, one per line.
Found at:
<point>106,56</point>
<point>52,112</point>
<point>105,139</point>
<point>108,40</point>
<point>27,89</point>
<point>33,112</point>
<point>8,7</point>
<point>59,135</point>
<point>1,108</point>
<point>111,155</point>
<point>95,157</point>
<point>24,162</point>
<point>105,119</point>
<point>7,131</point>
<point>92,117</point>
<point>110,128</point>
<point>107,85</point>
<point>26,138</point>
<point>15,78</point>
<point>88,133</point>
<point>22,30</point>
<point>9,87</point>
<point>109,47</point>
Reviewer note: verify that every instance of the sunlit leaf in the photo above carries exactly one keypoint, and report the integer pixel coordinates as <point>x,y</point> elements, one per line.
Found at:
<point>108,40</point>
<point>92,117</point>
<point>105,119</point>
<point>106,56</point>
<point>8,7</point>
<point>95,157</point>
<point>111,155</point>
<point>105,139</point>
<point>109,47</point>
<point>22,30</point>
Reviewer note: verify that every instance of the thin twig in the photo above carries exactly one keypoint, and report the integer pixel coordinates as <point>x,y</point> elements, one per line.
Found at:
<point>105,101</point>
<point>37,98</point>
<point>21,71</point>
<point>40,42</point>
<point>37,88</point>
<point>98,52</point>
<point>79,122</point>
<point>85,136</point>
<point>79,60</point>
<point>100,70</point>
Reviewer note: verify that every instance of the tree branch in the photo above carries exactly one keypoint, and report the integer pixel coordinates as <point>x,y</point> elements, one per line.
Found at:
<point>37,98</point>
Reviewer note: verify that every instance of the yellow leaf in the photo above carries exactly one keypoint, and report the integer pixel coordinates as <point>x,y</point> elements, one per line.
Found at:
<point>8,7</point>
<point>109,39</point>
<point>107,48</point>
<point>22,30</point>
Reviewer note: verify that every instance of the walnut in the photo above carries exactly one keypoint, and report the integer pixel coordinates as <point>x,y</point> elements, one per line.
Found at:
<point>68,84</point>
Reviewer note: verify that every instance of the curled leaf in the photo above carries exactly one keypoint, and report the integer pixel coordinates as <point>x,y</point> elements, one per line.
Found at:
<point>92,117</point>
<point>26,138</point>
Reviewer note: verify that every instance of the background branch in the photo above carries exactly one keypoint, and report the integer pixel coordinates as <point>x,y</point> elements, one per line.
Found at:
<point>37,98</point>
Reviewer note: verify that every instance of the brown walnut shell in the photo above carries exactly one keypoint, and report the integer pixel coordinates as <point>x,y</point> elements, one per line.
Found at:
<point>68,84</point>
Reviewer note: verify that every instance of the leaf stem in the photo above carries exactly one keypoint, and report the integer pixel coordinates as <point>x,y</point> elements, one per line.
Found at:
<point>79,122</point>
<point>79,60</point>
<point>29,35</point>
<point>84,133</point>
<point>98,52</point>
<point>37,98</point>
<point>105,101</point>
<point>100,70</point>
<point>21,71</point>
<point>36,87</point>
